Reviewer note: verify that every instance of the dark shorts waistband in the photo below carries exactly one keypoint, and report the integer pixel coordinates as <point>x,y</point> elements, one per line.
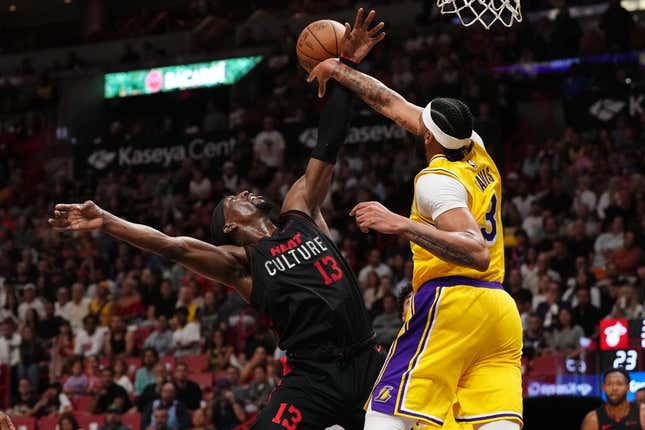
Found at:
<point>451,281</point>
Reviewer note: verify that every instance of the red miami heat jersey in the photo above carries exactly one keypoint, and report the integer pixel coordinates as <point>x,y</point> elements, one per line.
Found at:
<point>304,285</point>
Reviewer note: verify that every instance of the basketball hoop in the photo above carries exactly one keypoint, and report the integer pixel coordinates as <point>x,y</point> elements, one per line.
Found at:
<point>486,12</point>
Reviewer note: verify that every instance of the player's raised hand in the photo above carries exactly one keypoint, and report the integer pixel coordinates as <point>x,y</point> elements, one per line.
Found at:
<point>5,422</point>
<point>375,216</point>
<point>359,41</point>
<point>77,217</point>
<point>323,72</point>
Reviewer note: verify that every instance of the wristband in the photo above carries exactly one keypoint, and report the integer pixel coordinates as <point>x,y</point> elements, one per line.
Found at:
<point>349,62</point>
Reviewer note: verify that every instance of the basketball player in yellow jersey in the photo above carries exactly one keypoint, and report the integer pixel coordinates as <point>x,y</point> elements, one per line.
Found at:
<point>459,349</point>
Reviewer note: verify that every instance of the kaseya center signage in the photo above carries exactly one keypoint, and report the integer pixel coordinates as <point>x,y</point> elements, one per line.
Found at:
<point>153,156</point>
<point>179,77</point>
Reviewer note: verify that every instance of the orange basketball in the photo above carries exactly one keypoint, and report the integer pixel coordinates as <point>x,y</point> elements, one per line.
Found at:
<point>318,41</point>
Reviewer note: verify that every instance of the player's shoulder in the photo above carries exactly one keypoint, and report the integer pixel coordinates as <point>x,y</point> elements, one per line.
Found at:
<point>590,421</point>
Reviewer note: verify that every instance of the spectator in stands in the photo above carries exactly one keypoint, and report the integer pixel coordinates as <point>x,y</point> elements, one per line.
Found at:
<point>153,390</point>
<point>376,265</point>
<point>628,257</point>
<point>187,391</point>
<point>110,394</point>
<point>560,261</point>
<point>524,299</point>
<point>214,120</point>
<point>9,343</point>
<point>93,370</point>
<point>165,302</point>
<point>62,350</point>
<point>585,314</point>
<point>75,310</point>
<point>200,186</point>
<point>549,309</point>
<point>269,146</point>
<point>89,340</point>
<point>534,339</point>
<point>30,301</point>
<point>121,375</point>
<point>145,375</point>
<point>119,341</point>
<point>129,305</point>
<point>531,275</point>
<point>228,412</point>
<point>101,305</point>
<point>607,242</point>
<point>565,339</point>
<point>67,421</point>
<point>62,298</point>
<point>617,23</point>
<point>187,300</point>
<point>77,383</point>
<point>186,336</point>
<point>640,396</point>
<point>532,223</point>
<point>387,324</point>
<point>219,352</point>
<point>578,243</point>
<point>32,356</point>
<point>113,420</point>
<point>49,326</point>
<point>159,419</point>
<point>53,401</point>
<point>257,393</point>
<point>26,399</point>
<point>627,305</point>
<point>230,178</point>
<point>161,339</point>
<point>178,416</point>
<point>200,421</point>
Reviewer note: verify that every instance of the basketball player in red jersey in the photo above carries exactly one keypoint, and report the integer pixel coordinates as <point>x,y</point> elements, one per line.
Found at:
<point>291,270</point>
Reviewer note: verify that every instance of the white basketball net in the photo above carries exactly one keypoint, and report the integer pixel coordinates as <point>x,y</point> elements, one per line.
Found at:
<point>487,12</point>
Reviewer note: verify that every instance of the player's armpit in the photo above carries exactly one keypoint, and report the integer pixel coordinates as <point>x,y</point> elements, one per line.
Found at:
<point>226,264</point>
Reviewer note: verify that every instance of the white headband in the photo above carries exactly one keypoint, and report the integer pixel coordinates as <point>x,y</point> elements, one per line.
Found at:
<point>444,139</point>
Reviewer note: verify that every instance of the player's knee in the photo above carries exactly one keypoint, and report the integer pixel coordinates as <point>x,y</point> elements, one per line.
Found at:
<point>380,421</point>
<point>499,425</point>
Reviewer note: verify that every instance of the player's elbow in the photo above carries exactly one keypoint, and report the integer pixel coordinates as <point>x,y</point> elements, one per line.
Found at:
<point>481,259</point>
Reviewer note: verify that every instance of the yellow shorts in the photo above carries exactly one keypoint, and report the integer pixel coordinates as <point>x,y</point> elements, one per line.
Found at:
<point>458,353</point>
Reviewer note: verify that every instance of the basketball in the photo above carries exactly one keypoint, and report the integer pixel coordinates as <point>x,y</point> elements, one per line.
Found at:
<point>318,41</point>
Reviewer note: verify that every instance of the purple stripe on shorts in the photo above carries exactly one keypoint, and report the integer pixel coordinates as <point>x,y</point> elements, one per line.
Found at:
<point>386,391</point>
<point>451,281</point>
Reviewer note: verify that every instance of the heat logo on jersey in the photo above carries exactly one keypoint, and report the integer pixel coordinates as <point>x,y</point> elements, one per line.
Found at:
<point>292,253</point>
<point>385,394</point>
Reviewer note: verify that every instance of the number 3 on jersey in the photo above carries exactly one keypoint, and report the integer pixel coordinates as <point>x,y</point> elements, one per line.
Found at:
<point>329,270</point>
<point>489,230</point>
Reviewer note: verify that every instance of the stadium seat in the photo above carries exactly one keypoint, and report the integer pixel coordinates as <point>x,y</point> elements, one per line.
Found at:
<point>132,420</point>
<point>24,423</point>
<point>195,363</point>
<point>49,422</point>
<point>204,380</point>
<point>89,421</point>
<point>82,403</point>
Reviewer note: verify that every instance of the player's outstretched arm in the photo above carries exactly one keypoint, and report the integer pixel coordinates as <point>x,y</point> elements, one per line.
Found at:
<point>308,193</point>
<point>456,239</point>
<point>225,264</point>
<point>373,92</point>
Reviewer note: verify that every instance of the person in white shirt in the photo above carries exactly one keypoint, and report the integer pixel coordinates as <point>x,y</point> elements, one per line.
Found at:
<point>608,242</point>
<point>531,276</point>
<point>533,224</point>
<point>187,335</point>
<point>9,343</point>
<point>62,298</point>
<point>89,340</point>
<point>76,310</point>
<point>30,301</point>
<point>374,265</point>
<point>523,199</point>
<point>269,145</point>
<point>200,186</point>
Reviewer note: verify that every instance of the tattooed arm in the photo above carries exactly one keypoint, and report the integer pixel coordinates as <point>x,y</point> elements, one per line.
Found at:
<point>373,92</point>
<point>456,238</point>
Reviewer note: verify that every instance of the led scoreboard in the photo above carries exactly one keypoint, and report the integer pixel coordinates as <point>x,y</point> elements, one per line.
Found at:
<point>621,344</point>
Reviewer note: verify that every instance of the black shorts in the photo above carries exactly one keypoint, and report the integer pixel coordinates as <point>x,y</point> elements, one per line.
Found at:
<point>315,395</point>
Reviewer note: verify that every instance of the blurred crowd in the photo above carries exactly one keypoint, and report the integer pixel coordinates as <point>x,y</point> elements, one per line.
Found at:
<point>87,323</point>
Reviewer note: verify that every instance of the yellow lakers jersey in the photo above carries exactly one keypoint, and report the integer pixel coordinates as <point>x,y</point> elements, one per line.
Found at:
<point>481,179</point>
